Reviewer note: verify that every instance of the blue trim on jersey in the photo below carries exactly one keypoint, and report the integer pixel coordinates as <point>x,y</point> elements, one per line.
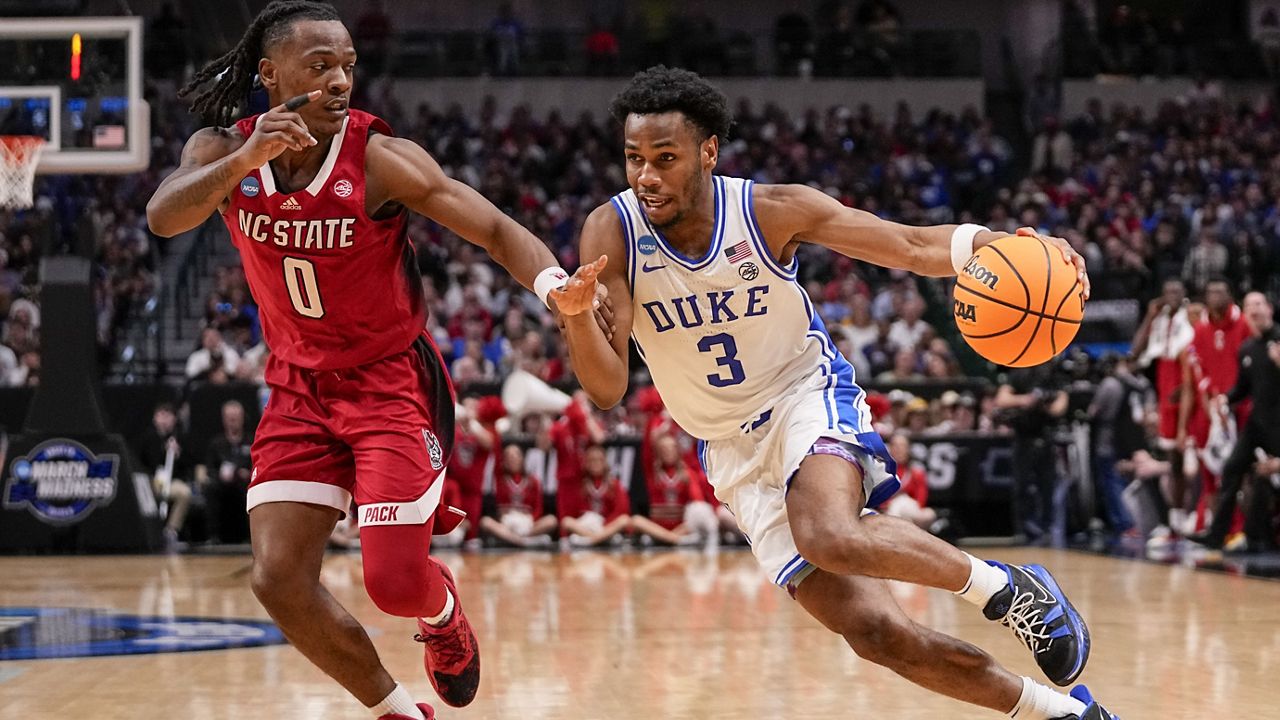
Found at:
<point>841,392</point>
<point>757,237</point>
<point>786,581</point>
<point>702,455</point>
<point>777,579</point>
<point>717,232</point>
<point>794,566</point>
<point>624,217</point>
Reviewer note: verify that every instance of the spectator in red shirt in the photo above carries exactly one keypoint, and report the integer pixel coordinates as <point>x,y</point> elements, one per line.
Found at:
<point>520,520</point>
<point>593,507</point>
<point>602,49</point>
<point>679,512</point>
<point>911,501</point>
<point>473,445</point>
<point>571,434</point>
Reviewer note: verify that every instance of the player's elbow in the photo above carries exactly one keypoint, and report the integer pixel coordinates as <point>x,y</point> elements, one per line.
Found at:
<point>159,223</point>
<point>607,397</point>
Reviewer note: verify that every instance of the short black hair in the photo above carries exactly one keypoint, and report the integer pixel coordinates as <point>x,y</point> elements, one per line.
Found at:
<point>662,89</point>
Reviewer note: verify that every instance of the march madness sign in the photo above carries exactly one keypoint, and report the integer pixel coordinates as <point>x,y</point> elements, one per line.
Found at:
<point>60,481</point>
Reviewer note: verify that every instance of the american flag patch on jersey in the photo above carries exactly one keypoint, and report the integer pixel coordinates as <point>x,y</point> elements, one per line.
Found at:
<point>741,251</point>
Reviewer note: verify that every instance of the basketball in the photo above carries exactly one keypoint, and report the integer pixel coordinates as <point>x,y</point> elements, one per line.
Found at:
<point>1018,302</point>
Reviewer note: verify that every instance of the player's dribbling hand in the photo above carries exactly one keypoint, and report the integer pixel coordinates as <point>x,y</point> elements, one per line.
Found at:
<point>1068,253</point>
<point>281,128</point>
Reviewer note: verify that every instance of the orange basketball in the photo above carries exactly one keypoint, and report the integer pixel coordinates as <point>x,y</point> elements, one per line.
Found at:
<point>1018,302</point>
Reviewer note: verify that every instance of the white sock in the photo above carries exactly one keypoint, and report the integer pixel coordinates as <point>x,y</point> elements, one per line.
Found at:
<point>1039,702</point>
<point>399,702</point>
<point>984,582</point>
<point>445,614</point>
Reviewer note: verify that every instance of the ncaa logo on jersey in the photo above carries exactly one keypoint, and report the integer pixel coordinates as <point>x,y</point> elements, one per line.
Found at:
<point>250,187</point>
<point>433,449</point>
<point>343,188</point>
<point>748,271</point>
<point>647,245</point>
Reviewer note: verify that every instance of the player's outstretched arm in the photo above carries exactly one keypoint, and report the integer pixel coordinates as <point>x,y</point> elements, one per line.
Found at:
<point>799,213</point>
<point>600,363</point>
<point>214,161</point>
<point>399,170</point>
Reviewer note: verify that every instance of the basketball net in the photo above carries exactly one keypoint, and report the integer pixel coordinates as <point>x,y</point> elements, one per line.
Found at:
<point>19,155</point>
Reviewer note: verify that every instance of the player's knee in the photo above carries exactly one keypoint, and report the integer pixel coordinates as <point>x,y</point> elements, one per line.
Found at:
<point>841,550</point>
<point>880,639</point>
<point>278,584</point>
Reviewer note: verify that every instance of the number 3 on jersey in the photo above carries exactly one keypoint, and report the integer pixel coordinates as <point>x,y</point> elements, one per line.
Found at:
<point>728,359</point>
<point>304,292</point>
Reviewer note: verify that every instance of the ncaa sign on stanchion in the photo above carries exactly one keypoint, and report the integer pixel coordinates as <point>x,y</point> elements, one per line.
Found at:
<point>61,481</point>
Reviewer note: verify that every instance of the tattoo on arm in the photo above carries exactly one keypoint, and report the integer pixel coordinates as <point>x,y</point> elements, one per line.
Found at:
<point>199,191</point>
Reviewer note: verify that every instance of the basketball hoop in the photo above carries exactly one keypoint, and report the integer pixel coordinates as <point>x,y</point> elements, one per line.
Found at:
<point>19,155</point>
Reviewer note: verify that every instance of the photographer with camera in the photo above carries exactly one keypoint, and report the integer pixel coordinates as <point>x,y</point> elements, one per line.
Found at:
<point>1030,402</point>
<point>1116,413</point>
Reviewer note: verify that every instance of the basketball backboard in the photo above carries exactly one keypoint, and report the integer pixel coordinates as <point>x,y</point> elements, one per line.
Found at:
<point>77,82</point>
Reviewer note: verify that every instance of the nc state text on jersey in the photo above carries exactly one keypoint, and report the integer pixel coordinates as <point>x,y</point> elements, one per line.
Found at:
<point>325,234</point>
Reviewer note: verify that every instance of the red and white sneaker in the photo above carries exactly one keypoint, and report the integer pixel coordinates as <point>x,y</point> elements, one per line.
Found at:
<point>427,711</point>
<point>451,656</point>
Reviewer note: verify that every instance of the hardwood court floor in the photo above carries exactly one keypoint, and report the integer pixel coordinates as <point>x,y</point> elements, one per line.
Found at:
<point>644,636</point>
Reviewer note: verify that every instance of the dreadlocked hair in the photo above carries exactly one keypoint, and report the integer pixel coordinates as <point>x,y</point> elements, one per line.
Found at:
<point>234,72</point>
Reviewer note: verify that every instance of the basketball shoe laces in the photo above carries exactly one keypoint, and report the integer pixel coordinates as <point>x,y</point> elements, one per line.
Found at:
<point>447,647</point>
<point>1024,619</point>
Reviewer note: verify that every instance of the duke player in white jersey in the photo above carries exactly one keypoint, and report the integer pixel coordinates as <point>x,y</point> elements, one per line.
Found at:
<point>701,272</point>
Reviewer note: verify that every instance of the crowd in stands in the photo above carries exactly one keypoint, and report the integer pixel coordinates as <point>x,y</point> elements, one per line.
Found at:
<point>1190,193</point>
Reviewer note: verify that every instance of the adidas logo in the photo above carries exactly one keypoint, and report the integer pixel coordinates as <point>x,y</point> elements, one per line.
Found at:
<point>291,204</point>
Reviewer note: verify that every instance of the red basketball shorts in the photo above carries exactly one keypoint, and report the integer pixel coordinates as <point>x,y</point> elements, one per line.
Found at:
<point>380,434</point>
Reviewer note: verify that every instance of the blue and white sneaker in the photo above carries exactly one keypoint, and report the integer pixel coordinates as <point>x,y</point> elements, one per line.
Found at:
<point>1038,613</point>
<point>1092,710</point>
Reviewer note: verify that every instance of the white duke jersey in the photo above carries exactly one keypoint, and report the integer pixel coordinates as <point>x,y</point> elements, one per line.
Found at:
<point>728,335</point>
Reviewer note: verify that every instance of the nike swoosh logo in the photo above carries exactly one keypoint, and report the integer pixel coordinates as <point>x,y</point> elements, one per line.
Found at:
<point>650,268</point>
<point>1045,596</point>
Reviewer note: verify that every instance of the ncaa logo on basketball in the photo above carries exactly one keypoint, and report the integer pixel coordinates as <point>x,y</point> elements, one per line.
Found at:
<point>965,311</point>
<point>647,245</point>
<point>61,482</point>
<point>343,188</point>
<point>250,187</point>
<point>433,449</point>
<point>981,273</point>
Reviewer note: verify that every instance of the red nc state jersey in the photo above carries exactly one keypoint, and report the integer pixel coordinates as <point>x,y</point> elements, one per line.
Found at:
<point>335,288</point>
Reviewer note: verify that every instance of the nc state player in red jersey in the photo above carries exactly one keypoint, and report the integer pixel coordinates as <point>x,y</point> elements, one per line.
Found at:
<point>316,197</point>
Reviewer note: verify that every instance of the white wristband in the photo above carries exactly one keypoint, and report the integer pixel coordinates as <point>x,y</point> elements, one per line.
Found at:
<point>553,278</point>
<point>962,244</point>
